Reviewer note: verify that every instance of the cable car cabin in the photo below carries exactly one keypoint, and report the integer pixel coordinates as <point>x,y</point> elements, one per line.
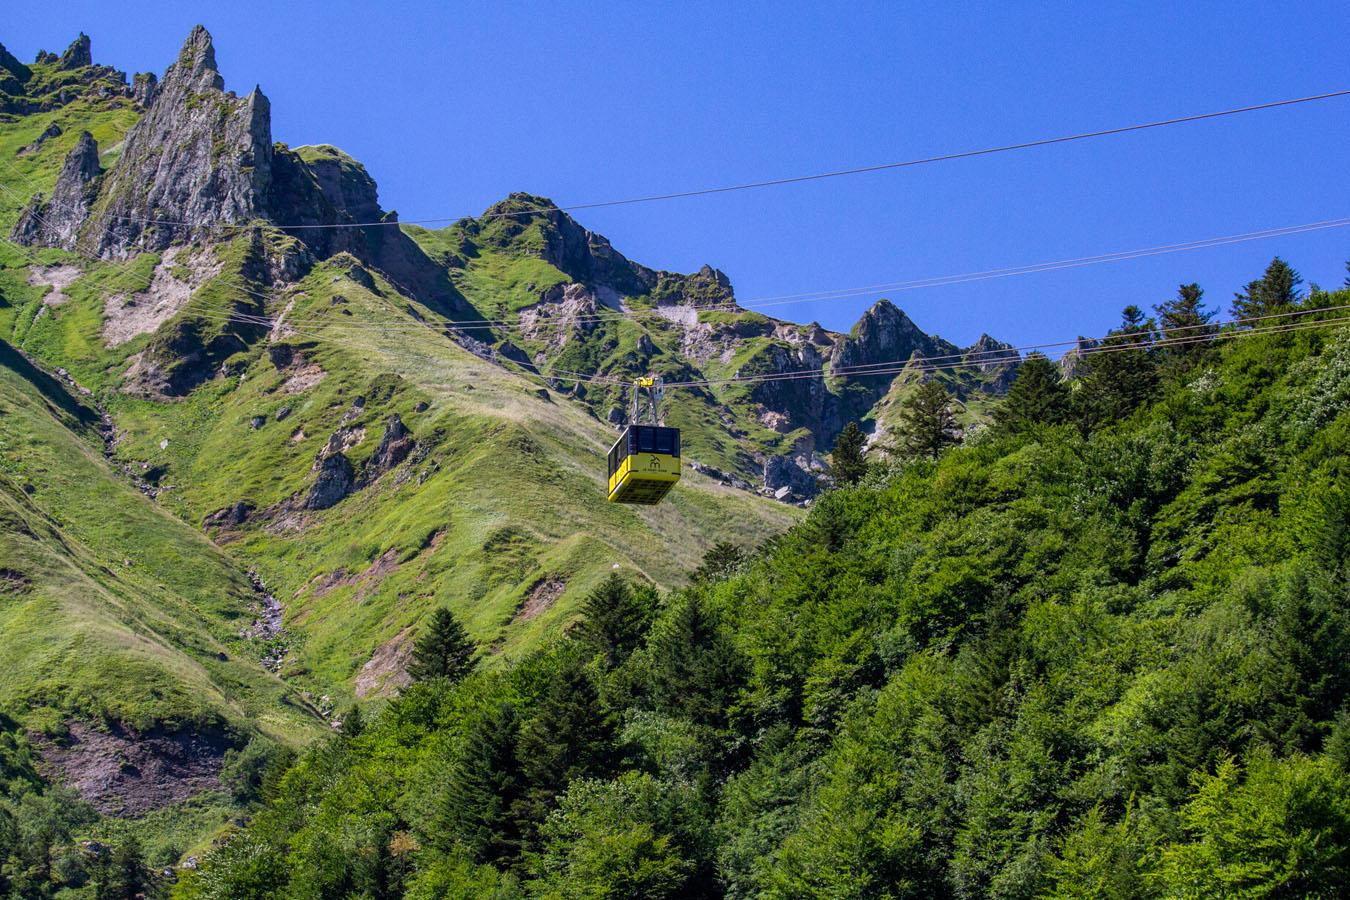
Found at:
<point>644,464</point>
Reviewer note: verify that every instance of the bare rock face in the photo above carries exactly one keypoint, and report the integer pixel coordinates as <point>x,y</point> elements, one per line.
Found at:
<point>144,87</point>
<point>394,447</point>
<point>13,74</point>
<point>57,224</point>
<point>200,156</point>
<point>883,334</point>
<point>77,55</point>
<point>336,480</point>
<point>995,358</point>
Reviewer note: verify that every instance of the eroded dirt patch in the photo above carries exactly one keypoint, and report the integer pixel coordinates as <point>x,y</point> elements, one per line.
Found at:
<point>124,773</point>
<point>58,278</point>
<point>13,582</point>
<point>387,670</point>
<point>540,599</point>
<point>302,379</point>
<point>176,277</point>
<point>366,581</point>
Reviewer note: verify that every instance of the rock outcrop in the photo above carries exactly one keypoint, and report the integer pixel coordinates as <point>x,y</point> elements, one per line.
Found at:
<point>394,447</point>
<point>57,224</point>
<point>13,74</point>
<point>336,479</point>
<point>55,80</point>
<point>200,157</point>
<point>77,55</point>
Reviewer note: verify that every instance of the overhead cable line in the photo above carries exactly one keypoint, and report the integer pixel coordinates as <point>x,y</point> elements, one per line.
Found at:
<point>795,179</point>
<point>1210,331</point>
<point>846,293</point>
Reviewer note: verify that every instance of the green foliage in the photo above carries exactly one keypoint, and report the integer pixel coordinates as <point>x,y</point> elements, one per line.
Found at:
<point>614,618</point>
<point>1185,319</point>
<point>1121,375</point>
<point>847,461</point>
<point>1038,397</point>
<point>633,837</point>
<point>722,561</point>
<point>443,649</point>
<point>927,425</point>
<point>1276,291</point>
<point>1276,830</point>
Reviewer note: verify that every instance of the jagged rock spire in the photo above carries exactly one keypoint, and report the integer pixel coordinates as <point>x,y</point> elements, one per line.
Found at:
<point>78,54</point>
<point>196,63</point>
<point>58,223</point>
<point>199,156</point>
<point>17,70</point>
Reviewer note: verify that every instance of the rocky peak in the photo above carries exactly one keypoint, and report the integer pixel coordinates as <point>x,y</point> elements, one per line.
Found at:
<point>143,89</point>
<point>988,354</point>
<point>196,65</point>
<point>199,156</point>
<point>883,334</point>
<point>58,223</point>
<point>78,54</point>
<point>717,276</point>
<point>536,225</point>
<point>18,72</point>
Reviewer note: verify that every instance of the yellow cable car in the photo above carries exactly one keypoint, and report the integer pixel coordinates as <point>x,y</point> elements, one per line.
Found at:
<point>644,463</point>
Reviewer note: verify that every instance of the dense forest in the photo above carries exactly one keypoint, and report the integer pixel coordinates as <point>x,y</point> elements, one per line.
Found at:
<point>1097,648</point>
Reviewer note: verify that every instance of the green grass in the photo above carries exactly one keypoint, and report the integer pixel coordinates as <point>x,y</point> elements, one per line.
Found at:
<point>127,614</point>
<point>499,459</point>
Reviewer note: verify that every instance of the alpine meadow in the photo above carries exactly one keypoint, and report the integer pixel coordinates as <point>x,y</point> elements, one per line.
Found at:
<point>344,557</point>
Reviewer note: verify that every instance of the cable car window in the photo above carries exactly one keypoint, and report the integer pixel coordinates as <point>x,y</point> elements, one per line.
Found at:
<point>646,440</point>
<point>676,442</point>
<point>663,442</point>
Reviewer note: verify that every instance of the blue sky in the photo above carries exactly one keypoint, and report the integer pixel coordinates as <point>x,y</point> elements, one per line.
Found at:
<point>452,106</point>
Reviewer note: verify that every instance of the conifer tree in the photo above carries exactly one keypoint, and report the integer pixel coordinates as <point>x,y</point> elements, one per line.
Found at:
<point>1276,290</point>
<point>613,618</point>
<point>927,425</point>
<point>847,462</point>
<point>1037,397</point>
<point>1122,375</point>
<point>442,650</point>
<point>1185,318</point>
<point>123,875</point>
<point>568,737</point>
<point>723,560</point>
<point>484,785</point>
<point>691,667</point>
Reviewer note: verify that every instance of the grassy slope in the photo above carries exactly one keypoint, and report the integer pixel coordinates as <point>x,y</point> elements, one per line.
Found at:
<point>512,485</point>
<point>126,613</point>
<point>510,492</point>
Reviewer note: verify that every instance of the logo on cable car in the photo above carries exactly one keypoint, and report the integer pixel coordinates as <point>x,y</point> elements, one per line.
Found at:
<point>654,463</point>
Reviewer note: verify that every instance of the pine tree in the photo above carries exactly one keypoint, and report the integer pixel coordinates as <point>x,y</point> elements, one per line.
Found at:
<point>927,425</point>
<point>442,650</point>
<point>1185,318</point>
<point>692,669</point>
<point>353,723</point>
<point>1276,290</point>
<point>614,618</point>
<point>1037,397</point>
<point>722,561</point>
<point>847,461</point>
<point>1121,375</point>
<point>123,876</point>
<point>568,737</point>
<point>483,786</point>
